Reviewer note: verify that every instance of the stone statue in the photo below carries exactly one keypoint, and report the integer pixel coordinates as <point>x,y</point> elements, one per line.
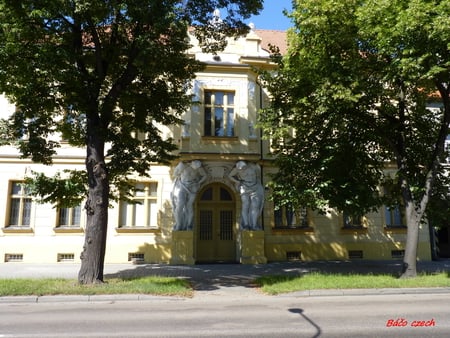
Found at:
<point>247,179</point>
<point>188,177</point>
<point>216,19</point>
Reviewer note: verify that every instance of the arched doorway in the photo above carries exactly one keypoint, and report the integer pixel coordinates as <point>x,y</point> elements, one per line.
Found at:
<point>215,225</point>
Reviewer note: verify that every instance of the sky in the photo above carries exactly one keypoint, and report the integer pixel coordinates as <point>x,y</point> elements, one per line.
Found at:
<point>271,16</point>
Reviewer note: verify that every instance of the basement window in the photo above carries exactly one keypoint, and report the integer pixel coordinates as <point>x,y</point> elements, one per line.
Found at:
<point>293,255</point>
<point>135,257</point>
<point>13,257</point>
<point>397,253</point>
<point>66,257</point>
<point>355,254</point>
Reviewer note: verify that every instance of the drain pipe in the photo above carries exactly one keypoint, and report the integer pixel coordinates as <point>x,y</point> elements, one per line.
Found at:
<point>261,158</point>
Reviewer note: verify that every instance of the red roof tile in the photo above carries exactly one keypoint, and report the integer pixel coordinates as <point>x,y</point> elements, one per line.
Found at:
<point>273,37</point>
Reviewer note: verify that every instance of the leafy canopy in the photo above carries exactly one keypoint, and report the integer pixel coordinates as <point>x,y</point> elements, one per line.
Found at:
<point>116,69</point>
<point>350,98</point>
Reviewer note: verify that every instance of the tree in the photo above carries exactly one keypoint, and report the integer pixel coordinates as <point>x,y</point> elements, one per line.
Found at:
<point>354,88</point>
<point>99,73</point>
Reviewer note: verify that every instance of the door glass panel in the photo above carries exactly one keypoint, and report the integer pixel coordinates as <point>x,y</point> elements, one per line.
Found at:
<point>226,225</point>
<point>206,223</point>
<point>225,195</point>
<point>207,195</point>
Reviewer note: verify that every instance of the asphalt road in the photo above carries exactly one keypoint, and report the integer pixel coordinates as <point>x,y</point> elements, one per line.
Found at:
<point>235,315</point>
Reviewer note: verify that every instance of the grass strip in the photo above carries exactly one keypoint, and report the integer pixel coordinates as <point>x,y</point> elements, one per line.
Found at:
<point>152,285</point>
<point>312,281</point>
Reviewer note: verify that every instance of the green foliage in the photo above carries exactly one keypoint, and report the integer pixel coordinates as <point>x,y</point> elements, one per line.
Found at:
<point>350,98</point>
<point>67,191</point>
<point>153,285</point>
<point>438,209</point>
<point>318,281</point>
<point>104,70</point>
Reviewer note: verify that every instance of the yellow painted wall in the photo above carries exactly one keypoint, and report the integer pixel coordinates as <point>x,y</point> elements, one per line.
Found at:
<point>325,239</point>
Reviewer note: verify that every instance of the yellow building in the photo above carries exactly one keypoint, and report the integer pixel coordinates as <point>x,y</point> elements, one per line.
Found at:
<point>219,132</point>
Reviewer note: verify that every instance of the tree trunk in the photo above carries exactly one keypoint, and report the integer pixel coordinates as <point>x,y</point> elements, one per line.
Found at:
<point>415,211</point>
<point>93,255</point>
<point>409,269</point>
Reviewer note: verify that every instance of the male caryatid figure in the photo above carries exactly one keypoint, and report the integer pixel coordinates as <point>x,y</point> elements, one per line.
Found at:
<point>247,179</point>
<point>188,177</point>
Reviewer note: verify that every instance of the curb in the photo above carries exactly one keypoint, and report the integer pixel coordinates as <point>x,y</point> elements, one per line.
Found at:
<point>141,297</point>
<point>83,298</point>
<point>366,292</point>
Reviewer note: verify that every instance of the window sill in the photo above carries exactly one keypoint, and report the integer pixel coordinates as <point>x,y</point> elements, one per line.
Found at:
<point>17,230</point>
<point>68,230</point>
<point>401,229</point>
<point>353,230</point>
<point>292,230</point>
<point>136,230</point>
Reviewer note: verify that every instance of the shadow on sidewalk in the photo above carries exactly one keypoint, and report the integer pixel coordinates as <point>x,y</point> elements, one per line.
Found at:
<point>208,277</point>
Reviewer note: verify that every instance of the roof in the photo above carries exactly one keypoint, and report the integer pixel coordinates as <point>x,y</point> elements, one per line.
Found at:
<point>273,37</point>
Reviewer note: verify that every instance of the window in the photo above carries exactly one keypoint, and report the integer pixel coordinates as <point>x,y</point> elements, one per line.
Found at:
<point>393,213</point>
<point>65,257</point>
<point>13,257</point>
<point>394,216</point>
<point>142,210</point>
<point>135,257</point>
<point>20,206</point>
<point>293,255</point>
<point>69,217</point>
<point>398,254</point>
<point>447,149</point>
<point>355,254</point>
<point>286,216</point>
<point>219,114</point>
<point>352,221</point>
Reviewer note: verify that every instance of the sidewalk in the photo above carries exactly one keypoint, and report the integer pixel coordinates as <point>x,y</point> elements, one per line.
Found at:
<point>222,279</point>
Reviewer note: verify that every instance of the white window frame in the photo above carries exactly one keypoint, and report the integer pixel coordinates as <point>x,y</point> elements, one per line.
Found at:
<point>228,129</point>
<point>71,217</point>
<point>287,217</point>
<point>22,196</point>
<point>350,221</point>
<point>390,217</point>
<point>142,212</point>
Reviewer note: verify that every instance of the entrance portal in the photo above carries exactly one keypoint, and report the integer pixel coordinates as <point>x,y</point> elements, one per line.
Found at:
<point>216,225</point>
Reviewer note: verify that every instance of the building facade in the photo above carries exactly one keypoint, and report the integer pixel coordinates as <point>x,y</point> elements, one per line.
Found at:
<point>215,222</point>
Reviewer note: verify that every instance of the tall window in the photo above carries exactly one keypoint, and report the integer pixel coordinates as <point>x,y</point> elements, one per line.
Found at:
<point>447,149</point>
<point>394,216</point>
<point>219,113</point>
<point>20,206</point>
<point>286,216</point>
<point>69,217</point>
<point>352,221</point>
<point>142,211</point>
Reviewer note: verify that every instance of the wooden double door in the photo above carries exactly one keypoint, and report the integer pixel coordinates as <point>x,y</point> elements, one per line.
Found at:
<point>215,225</point>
